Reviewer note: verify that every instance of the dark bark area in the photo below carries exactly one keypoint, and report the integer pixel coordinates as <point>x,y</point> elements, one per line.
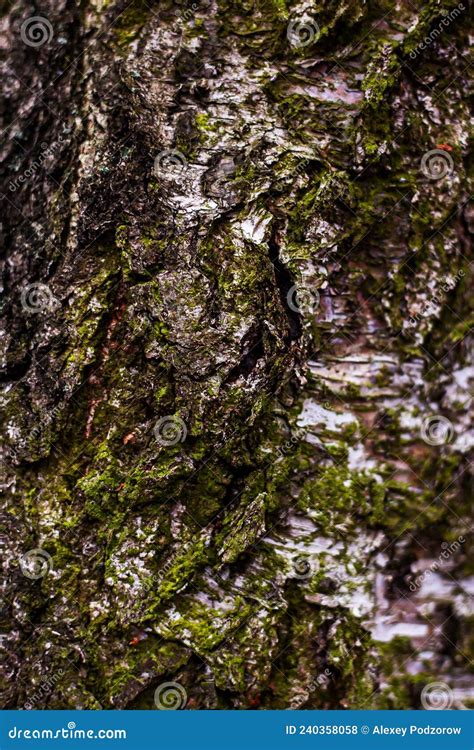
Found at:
<point>237,363</point>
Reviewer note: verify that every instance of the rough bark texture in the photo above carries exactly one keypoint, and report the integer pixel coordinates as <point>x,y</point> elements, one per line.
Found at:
<point>280,542</point>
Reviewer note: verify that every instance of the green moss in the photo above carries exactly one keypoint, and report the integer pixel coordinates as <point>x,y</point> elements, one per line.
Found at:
<point>178,570</point>
<point>100,490</point>
<point>429,12</point>
<point>276,7</point>
<point>150,656</point>
<point>338,492</point>
<point>201,626</point>
<point>403,688</point>
<point>203,122</point>
<point>376,83</point>
<point>130,22</point>
<point>241,528</point>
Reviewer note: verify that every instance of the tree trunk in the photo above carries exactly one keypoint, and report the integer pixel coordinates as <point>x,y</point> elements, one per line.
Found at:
<point>237,361</point>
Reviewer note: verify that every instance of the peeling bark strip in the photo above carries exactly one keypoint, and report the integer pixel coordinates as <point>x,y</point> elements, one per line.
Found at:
<point>237,354</point>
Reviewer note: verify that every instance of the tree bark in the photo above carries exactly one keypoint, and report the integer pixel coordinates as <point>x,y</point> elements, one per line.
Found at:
<point>237,353</point>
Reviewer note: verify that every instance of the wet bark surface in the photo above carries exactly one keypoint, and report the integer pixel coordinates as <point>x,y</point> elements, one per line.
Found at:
<point>237,362</point>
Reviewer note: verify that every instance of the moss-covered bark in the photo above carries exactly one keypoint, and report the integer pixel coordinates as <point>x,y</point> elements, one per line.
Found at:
<point>223,404</point>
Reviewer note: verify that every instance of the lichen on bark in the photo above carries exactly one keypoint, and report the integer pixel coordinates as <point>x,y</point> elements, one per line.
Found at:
<point>240,240</point>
